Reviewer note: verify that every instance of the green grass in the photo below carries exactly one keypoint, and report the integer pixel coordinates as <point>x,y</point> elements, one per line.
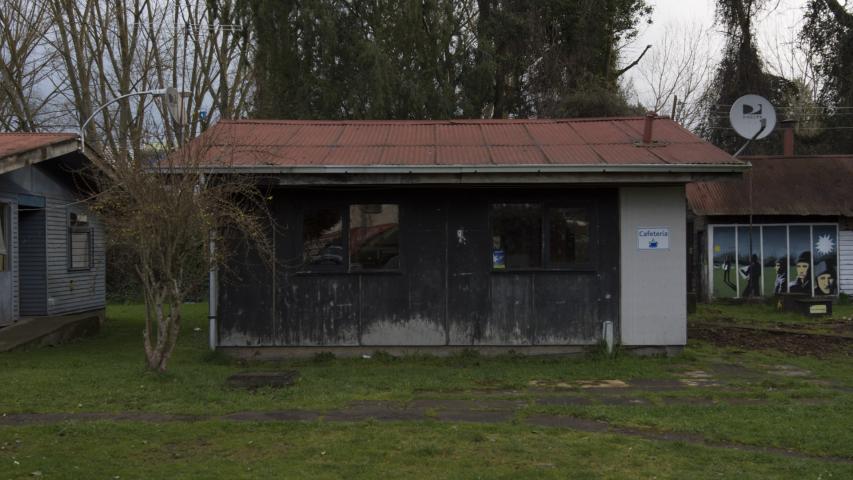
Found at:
<point>766,314</point>
<point>106,373</point>
<point>371,450</point>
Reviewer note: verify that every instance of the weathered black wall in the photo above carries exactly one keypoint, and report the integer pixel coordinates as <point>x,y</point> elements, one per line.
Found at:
<point>445,292</point>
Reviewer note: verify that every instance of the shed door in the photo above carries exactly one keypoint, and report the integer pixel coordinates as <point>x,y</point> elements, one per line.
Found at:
<point>5,264</point>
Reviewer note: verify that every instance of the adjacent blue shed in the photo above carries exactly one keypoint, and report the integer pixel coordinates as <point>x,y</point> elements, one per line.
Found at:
<point>51,249</point>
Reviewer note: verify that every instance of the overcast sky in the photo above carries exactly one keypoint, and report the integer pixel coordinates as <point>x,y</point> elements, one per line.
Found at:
<point>777,26</point>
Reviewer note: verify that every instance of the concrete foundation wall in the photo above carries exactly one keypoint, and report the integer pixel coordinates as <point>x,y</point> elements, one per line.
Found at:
<point>653,304</point>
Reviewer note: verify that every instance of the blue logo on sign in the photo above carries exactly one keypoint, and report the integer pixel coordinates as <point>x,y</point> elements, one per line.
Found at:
<point>653,244</point>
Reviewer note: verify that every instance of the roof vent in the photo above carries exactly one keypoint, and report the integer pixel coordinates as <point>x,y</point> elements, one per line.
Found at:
<point>648,127</point>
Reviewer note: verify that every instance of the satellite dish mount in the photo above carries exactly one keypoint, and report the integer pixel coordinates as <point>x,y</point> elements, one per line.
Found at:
<point>753,118</point>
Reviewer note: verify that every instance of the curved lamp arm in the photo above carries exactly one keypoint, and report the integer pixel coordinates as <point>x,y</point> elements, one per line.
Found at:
<point>158,91</point>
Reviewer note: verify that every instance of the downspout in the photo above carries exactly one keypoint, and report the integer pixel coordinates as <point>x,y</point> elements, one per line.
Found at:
<point>213,283</point>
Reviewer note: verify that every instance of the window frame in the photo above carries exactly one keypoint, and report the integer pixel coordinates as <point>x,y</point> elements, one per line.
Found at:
<point>591,210</point>
<point>90,240</point>
<point>346,267</point>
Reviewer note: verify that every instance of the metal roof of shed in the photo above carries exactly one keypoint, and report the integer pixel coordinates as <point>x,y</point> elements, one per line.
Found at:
<point>373,144</point>
<point>20,149</point>
<point>801,185</point>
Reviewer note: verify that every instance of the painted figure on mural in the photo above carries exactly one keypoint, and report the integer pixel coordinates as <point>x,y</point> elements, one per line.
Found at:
<point>753,277</point>
<point>803,283</point>
<point>727,273</point>
<point>825,279</point>
<point>781,267</point>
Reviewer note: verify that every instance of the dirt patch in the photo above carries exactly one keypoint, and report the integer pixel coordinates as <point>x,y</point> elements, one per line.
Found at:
<point>791,343</point>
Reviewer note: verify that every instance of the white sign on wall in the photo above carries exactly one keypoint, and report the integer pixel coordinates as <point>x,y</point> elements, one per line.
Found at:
<point>653,238</point>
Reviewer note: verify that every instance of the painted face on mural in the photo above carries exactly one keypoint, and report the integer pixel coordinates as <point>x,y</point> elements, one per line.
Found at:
<point>824,283</point>
<point>802,270</point>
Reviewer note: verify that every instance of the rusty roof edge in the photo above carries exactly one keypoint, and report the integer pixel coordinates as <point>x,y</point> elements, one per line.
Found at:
<point>483,168</point>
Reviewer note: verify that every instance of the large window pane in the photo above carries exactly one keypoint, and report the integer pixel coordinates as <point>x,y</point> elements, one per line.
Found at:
<point>825,254</point>
<point>568,236</point>
<point>775,249</point>
<point>799,263</point>
<point>516,235</point>
<point>749,261</point>
<point>322,237</point>
<point>374,236</point>
<point>724,276</point>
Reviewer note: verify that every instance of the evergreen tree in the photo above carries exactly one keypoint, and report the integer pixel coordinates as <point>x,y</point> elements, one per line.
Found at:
<point>828,31</point>
<point>440,58</point>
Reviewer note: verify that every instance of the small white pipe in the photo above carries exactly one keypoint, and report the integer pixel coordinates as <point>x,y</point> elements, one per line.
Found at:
<point>212,292</point>
<point>607,333</point>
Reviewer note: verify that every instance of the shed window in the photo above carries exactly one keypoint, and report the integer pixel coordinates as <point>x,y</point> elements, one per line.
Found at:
<point>374,236</point>
<point>533,235</point>
<point>568,236</point>
<point>80,242</point>
<point>516,235</point>
<point>4,249</point>
<point>322,239</point>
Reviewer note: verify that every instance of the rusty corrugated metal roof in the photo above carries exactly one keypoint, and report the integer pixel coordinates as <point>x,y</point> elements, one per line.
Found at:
<point>15,143</point>
<point>816,185</point>
<point>604,141</point>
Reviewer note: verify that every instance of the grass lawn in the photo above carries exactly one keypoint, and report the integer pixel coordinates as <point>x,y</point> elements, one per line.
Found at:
<point>767,315</point>
<point>740,397</point>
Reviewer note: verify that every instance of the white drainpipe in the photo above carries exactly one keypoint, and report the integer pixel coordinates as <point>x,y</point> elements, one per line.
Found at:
<point>213,283</point>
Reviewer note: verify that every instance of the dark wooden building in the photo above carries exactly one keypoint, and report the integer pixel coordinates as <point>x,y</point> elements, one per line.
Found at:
<point>51,248</point>
<point>541,235</point>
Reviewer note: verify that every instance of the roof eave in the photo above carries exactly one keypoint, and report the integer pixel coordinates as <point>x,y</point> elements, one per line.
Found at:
<point>36,155</point>
<point>481,169</point>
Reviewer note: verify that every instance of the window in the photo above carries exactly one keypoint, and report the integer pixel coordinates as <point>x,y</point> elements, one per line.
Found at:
<point>772,259</point>
<point>374,237</point>
<point>4,249</point>
<point>361,237</point>
<point>516,235</point>
<point>80,244</point>
<point>568,236</point>
<point>322,238</point>
<point>532,235</point>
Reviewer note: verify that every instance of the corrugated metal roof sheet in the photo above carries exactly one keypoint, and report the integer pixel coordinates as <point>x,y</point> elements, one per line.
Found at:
<point>819,185</point>
<point>458,142</point>
<point>14,143</point>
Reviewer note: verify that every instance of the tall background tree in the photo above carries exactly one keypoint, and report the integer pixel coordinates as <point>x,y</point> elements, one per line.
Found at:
<point>441,58</point>
<point>828,34</point>
<point>741,71</point>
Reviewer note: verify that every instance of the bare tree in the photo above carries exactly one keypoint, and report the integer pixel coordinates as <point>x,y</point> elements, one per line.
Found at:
<point>163,216</point>
<point>87,53</point>
<point>682,66</point>
<point>25,103</point>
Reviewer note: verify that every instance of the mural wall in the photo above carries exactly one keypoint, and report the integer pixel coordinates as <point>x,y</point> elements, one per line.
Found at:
<point>764,260</point>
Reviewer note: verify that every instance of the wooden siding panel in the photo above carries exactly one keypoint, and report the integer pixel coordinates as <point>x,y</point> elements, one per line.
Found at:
<point>72,291</point>
<point>445,291</point>
<point>845,261</point>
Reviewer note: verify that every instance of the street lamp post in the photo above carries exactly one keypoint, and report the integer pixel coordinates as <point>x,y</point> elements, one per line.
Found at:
<point>158,91</point>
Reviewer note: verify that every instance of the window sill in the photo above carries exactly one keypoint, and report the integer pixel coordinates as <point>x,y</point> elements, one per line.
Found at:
<point>345,272</point>
<point>546,270</point>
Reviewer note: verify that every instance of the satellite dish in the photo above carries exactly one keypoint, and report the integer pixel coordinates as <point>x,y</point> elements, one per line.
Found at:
<point>175,105</point>
<point>752,117</point>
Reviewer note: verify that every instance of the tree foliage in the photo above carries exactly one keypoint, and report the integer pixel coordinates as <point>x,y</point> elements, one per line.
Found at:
<point>828,32</point>
<point>741,71</point>
<point>440,58</point>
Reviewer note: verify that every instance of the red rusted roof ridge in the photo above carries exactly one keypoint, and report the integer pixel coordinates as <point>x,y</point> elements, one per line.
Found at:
<point>606,141</point>
<point>819,185</point>
<point>15,143</point>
